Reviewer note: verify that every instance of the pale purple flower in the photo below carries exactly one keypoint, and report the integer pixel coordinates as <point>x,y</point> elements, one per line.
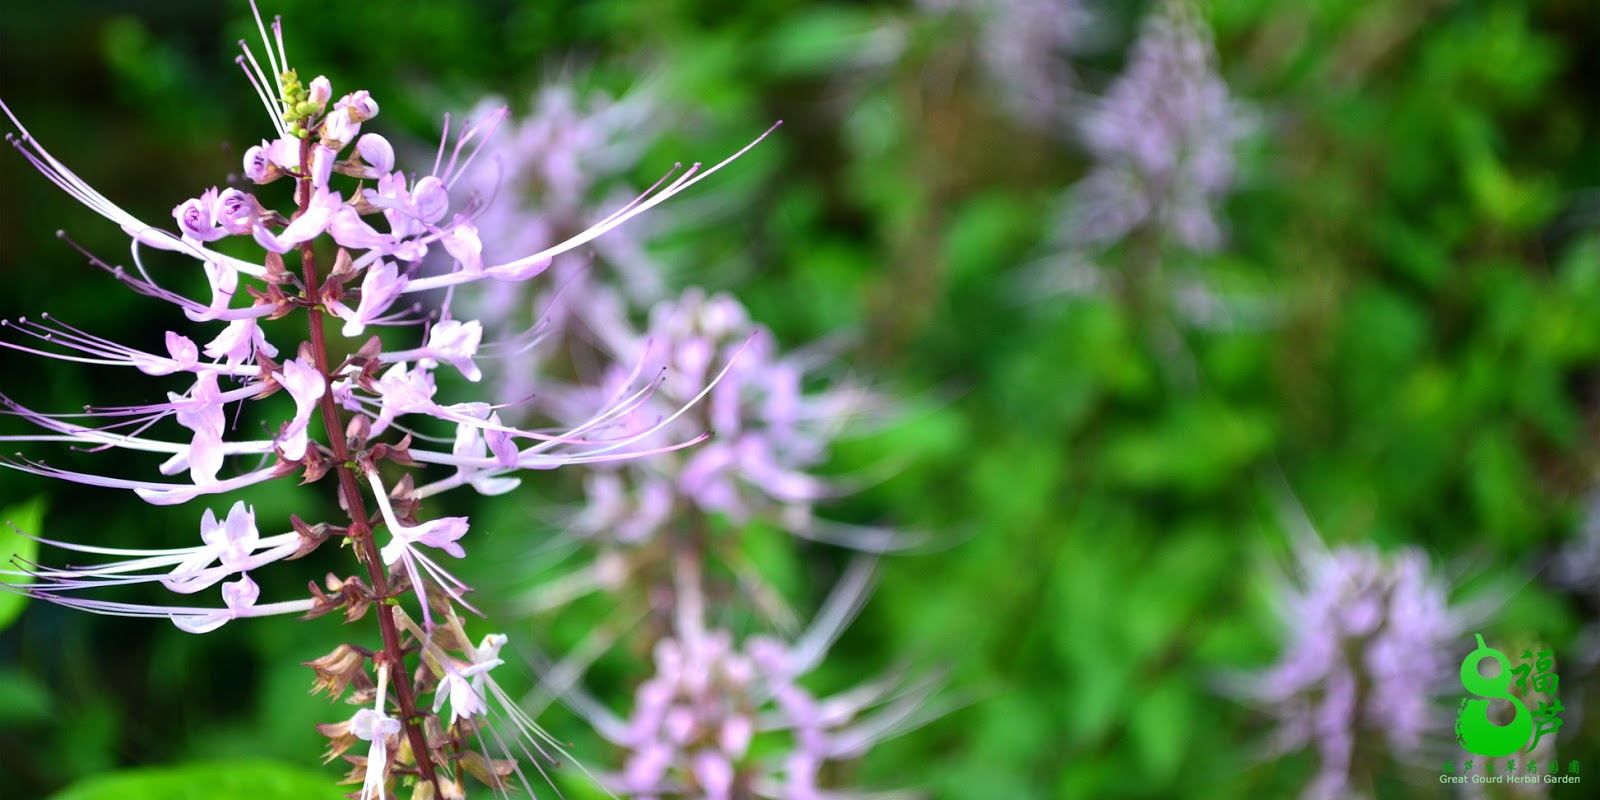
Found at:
<point>239,343</point>
<point>377,152</point>
<point>197,217</point>
<point>258,167</point>
<point>305,384</point>
<point>341,125</point>
<point>230,547</point>
<point>321,90</point>
<point>464,688</point>
<point>693,720</point>
<point>236,211</point>
<point>1163,138</point>
<point>1370,639</point>
<point>374,725</point>
<point>304,228</point>
<point>768,438</point>
<point>183,356</point>
<point>361,105</point>
<point>380,287</point>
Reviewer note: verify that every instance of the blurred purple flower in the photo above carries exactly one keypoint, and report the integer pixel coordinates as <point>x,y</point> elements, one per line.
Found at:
<point>1025,47</point>
<point>694,721</point>
<point>547,175</point>
<point>1163,138</point>
<point>1369,650</point>
<point>770,430</point>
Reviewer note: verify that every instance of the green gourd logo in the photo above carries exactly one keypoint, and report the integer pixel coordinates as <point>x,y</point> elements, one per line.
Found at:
<point>1476,733</point>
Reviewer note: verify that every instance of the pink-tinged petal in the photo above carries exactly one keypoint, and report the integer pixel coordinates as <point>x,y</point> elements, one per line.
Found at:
<point>457,342</point>
<point>430,199</point>
<point>349,230</point>
<point>224,281</point>
<point>519,270</point>
<point>322,159</point>
<point>285,153</point>
<point>185,354</point>
<point>258,165</point>
<point>377,152</point>
<point>362,106</point>
<point>463,244</point>
<point>195,218</point>
<point>737,731</point>
<point>379,288</point>
<point>201,411</point>
<point>307,226</point>
<point>306,385</point>
<point>441,533</point>
<point>501,444</point>
<point>714,773</point>
<point>239,342</point>
<point>647,766</point>
<point>236,211</point>
<point>410,251</point>
<point>320,91</point>
<point>240,594</point>
<point>205,458</point>
<point>679,724</point>
<point>212,532</point>
<point>241,533</point>
<point>340,127</point>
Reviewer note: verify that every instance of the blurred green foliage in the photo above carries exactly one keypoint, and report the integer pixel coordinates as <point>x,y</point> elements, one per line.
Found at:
<point>1420,213</point>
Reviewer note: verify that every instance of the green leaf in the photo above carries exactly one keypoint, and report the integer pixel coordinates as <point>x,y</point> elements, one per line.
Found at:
<point>818,41</point>
<point>23,699</point>
<point>244,780</point>
<point>1161,728</point>
<point>25,517</point>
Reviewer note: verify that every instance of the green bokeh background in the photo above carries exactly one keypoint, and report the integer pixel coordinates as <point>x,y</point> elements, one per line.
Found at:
<point>1421,209</point>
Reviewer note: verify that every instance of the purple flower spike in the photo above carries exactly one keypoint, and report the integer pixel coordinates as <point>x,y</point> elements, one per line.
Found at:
<point>1369,644</point>
<point>384,222</point>
<point>1164,136</point>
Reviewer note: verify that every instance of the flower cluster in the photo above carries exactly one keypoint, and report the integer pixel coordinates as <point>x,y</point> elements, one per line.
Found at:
<point>1162,138</point>
<point>695,720</point>
<point>368,402</point>
<point>1369,650</point>
<point>553,173</point>
<point>768,437</point>
<point>660,537</point>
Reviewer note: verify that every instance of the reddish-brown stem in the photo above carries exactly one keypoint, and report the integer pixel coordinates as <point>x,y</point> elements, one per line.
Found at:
<point>360,527</point>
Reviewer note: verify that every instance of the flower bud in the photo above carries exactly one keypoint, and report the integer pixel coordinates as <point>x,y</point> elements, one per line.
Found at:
<point>376,151</point>
<point>255,165</point>
<point>362,106</point>
<point>196,217</point>
<point>235,211</point>
<point>337,669</point>
<point>321,92</point>
<point>341,126</point>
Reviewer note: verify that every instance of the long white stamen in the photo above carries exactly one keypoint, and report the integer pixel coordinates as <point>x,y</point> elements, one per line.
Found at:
<point>261,92</point>
<point>594,232</point>
<point>277,69</point>
<point>277,32</point>
<point>438,158</point>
